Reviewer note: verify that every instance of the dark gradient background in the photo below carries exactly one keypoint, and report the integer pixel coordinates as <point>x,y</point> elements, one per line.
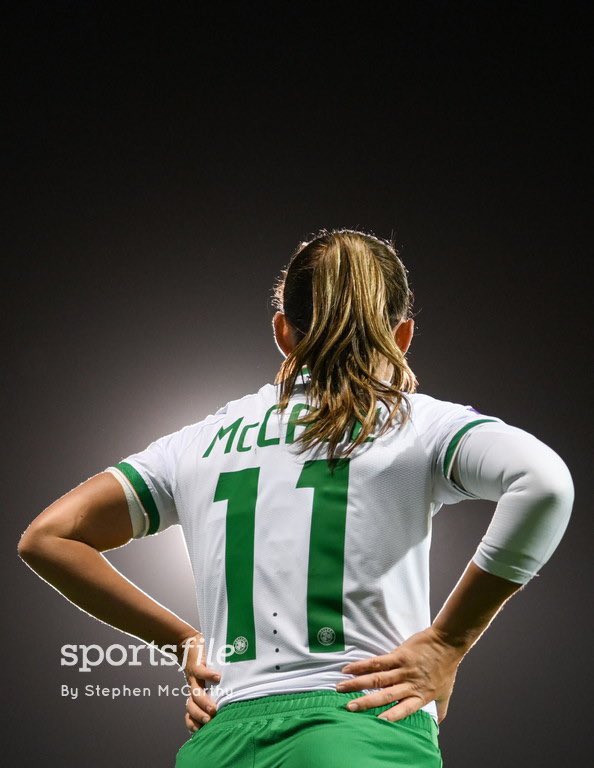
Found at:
<point>158,171</point>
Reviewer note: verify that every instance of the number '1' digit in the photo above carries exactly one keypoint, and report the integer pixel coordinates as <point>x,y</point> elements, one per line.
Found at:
<point>326,553</point>
<point>240,489</point>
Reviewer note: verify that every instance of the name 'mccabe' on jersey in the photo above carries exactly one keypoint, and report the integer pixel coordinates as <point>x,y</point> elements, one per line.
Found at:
<point>300,568</point>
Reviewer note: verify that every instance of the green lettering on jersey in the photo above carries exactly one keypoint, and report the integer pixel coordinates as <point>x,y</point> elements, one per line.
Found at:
<point>357,427</point>
<point>292,425</point>
<point>241,448</point>
<point>240,490</point>
<point>264,441</point>
<point>231,430</point>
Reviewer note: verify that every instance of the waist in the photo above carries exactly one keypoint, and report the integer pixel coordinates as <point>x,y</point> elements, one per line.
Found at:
<point>284,703</point>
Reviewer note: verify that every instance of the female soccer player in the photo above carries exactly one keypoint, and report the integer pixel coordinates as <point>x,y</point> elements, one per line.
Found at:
<point>306,508</point>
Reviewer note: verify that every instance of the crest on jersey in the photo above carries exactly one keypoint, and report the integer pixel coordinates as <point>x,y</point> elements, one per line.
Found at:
<point>326,636</point>
<point>240,644</point>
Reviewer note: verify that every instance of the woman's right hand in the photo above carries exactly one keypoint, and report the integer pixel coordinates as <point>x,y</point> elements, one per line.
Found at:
<point>200,707</point>
<point>421,670</point>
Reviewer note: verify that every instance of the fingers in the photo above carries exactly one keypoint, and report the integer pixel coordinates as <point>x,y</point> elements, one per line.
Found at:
<point>192,657</point>
<point>374,680</point>
<point>190,724</point>
<point>380,698</point>
<point>202,672</point>
<point>200,707</point>
<point>373,664</point>
<point>196,715</point>
<point>201,699</point>
<point>442,711</point>
<point>403,709</point>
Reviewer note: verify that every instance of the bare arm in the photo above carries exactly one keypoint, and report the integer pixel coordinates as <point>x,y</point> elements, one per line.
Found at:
<point>474,602</point>
<point>63,545</point>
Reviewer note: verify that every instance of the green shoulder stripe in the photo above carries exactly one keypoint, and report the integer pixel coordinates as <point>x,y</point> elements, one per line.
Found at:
<point>454,442</point>
<point>143,493</point>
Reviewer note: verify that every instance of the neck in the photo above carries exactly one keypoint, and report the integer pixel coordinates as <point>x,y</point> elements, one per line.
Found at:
<point>384,371</point>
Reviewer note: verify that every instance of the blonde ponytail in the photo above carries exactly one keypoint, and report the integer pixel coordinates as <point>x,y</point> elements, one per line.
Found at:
<point>343,292</point>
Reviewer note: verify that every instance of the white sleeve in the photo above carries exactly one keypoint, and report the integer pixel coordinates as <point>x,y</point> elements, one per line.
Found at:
<point>534,491</point>
<point>147,480</point>
<point>442,426</point>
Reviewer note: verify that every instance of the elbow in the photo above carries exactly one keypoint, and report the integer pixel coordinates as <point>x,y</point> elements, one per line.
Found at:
<point>31,543</point>
<point>560,487</point>
<point>27,546</point>
<point>554,491</point>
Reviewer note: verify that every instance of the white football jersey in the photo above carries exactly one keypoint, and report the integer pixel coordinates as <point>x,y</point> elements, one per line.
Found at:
<point>300,569</point>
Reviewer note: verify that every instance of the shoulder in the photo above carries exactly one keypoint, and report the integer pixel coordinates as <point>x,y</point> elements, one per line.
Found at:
<point>241,406</point>
<point>425,408</point>
<point>432,417</point>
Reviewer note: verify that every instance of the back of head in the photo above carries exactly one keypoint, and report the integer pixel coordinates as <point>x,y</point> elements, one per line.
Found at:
<point>343,293</point>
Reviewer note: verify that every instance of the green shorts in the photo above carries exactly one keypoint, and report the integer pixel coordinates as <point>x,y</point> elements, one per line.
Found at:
<point>307,730</point>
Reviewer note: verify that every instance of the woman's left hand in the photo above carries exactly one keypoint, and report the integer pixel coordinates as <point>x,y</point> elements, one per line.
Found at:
<point>200,707</point>
<point>421,670</point>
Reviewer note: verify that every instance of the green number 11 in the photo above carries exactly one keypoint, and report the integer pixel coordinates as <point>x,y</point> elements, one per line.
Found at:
<point>325,571</point>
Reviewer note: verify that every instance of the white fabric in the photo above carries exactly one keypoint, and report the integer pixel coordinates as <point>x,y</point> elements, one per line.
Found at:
<point>534,491</point>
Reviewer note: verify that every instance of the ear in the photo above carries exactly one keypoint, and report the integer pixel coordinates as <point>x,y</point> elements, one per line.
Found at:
<point>403,334</point>
<point>283,334</point>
